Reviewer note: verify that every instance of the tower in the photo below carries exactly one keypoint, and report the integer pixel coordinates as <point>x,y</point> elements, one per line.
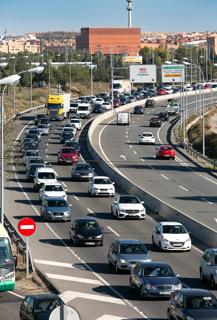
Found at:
<point>129,9</point>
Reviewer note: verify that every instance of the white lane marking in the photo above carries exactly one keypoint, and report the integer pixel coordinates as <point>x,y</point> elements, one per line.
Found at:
<point>131,147</point>
<point>46,150</point>
<point>110,317</point>
<point>89,210</point>
<point>30,227</point>
<point>210,180</point>
<point>73,279</point>
<point>207,201</point>
<point>126,135</point>
<point>76,198</point>
<point>64,184</point>
<point>143,160</point>
<point>165,177</point>
<point>47,144</point>
<point>123,157</point>
<point>71,295</point>
<point>57,264</point>
<point>16,294</point>
<point>113,231</point>
<point>183,188</point>
<point>134,152</point>
<point>215,220</point>
<point>158,132</point>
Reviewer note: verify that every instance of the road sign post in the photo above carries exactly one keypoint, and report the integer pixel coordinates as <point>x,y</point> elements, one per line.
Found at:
<point>27,227</point>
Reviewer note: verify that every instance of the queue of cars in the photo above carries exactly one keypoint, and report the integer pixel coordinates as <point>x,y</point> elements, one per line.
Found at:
<point>150,278</point>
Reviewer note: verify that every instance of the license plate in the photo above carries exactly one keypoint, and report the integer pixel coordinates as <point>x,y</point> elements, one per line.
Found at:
<point>90,243</point>
<point>58,216</point>
<point>177,244</point>
<point>165,292</point>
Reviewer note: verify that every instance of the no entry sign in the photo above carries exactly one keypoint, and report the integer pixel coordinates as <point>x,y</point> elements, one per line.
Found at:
<point>26,227</point>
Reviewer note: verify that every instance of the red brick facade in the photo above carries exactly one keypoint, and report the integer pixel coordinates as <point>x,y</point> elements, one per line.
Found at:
<point>109,40</point>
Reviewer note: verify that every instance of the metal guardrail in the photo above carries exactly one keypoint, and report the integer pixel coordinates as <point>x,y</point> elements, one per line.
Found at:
<point>204,160</point>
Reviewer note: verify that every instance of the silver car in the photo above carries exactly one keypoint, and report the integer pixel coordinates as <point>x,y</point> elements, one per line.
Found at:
<point>208,267</point>
<point>124,254</point>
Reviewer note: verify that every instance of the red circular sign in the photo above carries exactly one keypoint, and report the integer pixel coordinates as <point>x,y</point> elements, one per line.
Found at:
<point>26,227</point>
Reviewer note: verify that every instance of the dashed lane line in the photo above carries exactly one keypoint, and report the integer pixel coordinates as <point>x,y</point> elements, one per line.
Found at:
<point>89,210</point>
<point>183,188</point>
<point>113,231</point>
<point>76,198</point>
<point>165,177</point>
<point>73,279</point>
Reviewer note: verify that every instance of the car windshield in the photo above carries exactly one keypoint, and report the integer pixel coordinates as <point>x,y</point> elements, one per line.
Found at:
<point>158,271</point>
<point>102,181</point>
<point>133,248</point>
<point>36,160</point>
<point>75,120</point>
<point>82,167</point>
<point>44,121</point>
<point>166,148</point>
<point>175,229</point>
<point>56,203</point>
<point>31,153</point>
<point>82,108</point>
<point>88,225</point>
<point>46,175</point>
<point>6,256</point>
<point>201,302</point>
<point>42,126</point>
<point>147,134</point>
<point>53,188</point>
<point>46,305</point>
<point>129,200</point>
<point>67,150</point>
<point>33,168</point>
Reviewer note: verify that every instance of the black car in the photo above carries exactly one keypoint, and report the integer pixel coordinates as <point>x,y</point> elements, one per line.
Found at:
<point>39,307</point>
<point>32,169</point>
<point>67,135</point>
<point>38,117</point>
<point>82,171</point>
<point>155,122</point>
<point>97,108</point>
<point>192,304</point>
<point>138,110</point>
<point>123,100</point>
<point>86,231</point>
<point>45,120</point>
<point>73,144</point>
<point>164,116</point>
<point>31,145</point>
<point>31,136</point>
<point>150,103</point>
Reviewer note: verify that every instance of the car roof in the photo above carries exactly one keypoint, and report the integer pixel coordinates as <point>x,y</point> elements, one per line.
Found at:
<point>46,169</point>
<point>53,184</point>
<point>56,198</point>
<point>127,196</point>
<point>100,177</point>
<point>171,223</point>
<point>147,132</point>
<point>43,296</point>
<point>131,241</point>
<point>195,291</point>
<point>155,263</point>
<point>85,219</point>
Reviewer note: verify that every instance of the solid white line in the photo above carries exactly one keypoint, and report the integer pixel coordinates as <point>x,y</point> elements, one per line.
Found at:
<point>165,177</point>
<point>64,184</point>
<point>183,188</point>
<point>46,150</point>
<point>73,279</point>
<point>71,295</point>
<point>89,210</point>
<point>16,294</point>
<point>158,132</point>
<point>210,180</point>
<point>55,264</point>
<point>112,230</point>
<point>110,317</point>
<point>131,147</point>
<point>142,160</point>
<point>134,152</point>
<point>207,201</point>
<point>76,198</point>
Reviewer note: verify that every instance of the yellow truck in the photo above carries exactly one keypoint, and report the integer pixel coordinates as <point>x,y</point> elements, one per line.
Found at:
<point>58,106</point>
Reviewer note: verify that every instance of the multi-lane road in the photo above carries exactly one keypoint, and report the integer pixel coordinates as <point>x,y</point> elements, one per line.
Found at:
<point>82,274</point>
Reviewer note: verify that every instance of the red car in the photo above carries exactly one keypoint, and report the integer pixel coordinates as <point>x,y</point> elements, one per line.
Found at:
<point>165,151</point>
<point>116,103</point>
<point>161,92</point>
<point>67,155</point>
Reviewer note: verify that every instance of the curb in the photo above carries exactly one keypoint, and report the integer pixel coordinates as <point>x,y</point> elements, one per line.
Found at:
<point>47,282</point>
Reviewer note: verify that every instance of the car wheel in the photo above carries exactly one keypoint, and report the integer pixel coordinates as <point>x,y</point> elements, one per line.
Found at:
<point>160,245</point>
<point>201,276</point>
<point>153,243</point>
<point>109,261</point>
<point>131,284</point>
<point>169,316</point>
<point>141,292</point>
<point>212,282</point>
<point>173,158</point>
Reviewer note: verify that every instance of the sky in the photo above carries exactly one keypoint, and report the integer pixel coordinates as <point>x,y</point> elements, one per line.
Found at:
<point>22,16</point>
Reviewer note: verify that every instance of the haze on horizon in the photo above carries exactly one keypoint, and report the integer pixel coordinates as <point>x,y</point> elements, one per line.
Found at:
<point>153,16</point>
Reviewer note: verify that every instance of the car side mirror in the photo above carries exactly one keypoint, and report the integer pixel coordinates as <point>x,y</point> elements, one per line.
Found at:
<point>66,190</point>
<point>142,202</point>
<point>113,183</point>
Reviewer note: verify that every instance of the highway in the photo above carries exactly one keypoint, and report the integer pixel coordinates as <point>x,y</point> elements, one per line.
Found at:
<point>9,305</point>
<point>82,274</point>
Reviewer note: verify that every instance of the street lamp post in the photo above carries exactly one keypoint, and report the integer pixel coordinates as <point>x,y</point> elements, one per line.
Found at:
<point>11,80</point>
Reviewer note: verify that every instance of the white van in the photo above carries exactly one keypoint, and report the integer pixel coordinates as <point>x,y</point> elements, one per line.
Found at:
<point>44,176</point>
<point>84,110</point>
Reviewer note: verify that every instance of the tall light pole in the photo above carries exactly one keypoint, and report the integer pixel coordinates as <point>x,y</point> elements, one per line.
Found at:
<point>11,80</point>
<point>36,70</point>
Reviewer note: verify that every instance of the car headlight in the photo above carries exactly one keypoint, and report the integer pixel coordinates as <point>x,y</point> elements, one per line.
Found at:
<point>141,210</point>
<point>79,236</point>
<point>123,261</point>
<point>189,239</point>
<point>148,287</point>
<point>178,286</point>
<point>111,188</point>
<point>99,236</point>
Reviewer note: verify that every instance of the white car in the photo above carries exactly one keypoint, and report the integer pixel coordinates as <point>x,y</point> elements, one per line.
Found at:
<point>98,101</point>
<point>32,160</point>
<point>101,185</point>
<point>107,105</point>
<point>128,206</point>
<point>171,236</point>
<point>77,123</point>
<point>146,138</point>
<point>52,189</point>
<point>168,89</point>
<point>43,129</point>
<point>69,128</point>
<point>44,176</point>
<point>30,153</point>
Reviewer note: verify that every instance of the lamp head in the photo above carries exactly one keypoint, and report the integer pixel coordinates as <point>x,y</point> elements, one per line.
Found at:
<point>11,80</point>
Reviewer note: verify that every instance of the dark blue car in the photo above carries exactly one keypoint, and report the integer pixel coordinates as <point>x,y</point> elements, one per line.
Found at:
<point>154,279</point>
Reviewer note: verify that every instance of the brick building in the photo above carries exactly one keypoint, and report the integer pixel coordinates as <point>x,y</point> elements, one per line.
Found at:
<point>109,40</point>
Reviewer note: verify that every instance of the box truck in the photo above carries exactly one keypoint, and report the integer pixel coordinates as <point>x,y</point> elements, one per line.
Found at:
<point>121,86</point>
<point>58,106</point>
<point>123,118</point>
